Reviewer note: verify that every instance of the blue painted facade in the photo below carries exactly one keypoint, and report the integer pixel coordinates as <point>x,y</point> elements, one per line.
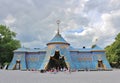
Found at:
<point>78,59</point>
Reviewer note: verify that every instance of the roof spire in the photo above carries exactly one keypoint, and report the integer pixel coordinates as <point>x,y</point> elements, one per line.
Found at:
<point>58,22</point>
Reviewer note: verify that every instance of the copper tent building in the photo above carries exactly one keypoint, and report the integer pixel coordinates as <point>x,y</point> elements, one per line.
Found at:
<point>59,54</point>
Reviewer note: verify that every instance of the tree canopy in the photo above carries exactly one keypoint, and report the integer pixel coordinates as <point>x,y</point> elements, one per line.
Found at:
<point>113,52</point>
<point>8,44</point>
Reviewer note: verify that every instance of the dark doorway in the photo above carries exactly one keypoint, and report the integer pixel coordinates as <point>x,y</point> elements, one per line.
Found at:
<point>100,64</point>
<point>17,65</point>
<point>56,62</point>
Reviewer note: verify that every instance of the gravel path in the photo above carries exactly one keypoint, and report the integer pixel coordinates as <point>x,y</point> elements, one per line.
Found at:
<point>60,77</point>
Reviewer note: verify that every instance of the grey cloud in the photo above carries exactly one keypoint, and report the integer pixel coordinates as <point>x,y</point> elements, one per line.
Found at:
<point>99,5</point>
<point>115,20</point>
<point>79,40</point>
<point>35,19</point>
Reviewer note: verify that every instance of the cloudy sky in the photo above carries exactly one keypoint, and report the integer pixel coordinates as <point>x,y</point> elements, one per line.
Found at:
<point>82,21</point>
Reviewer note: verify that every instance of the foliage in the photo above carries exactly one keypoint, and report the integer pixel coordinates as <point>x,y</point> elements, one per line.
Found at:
<point>113,52</point>
<point>8,43</point>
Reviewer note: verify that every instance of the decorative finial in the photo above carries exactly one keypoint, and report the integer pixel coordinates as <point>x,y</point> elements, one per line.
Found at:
<point>58,22</point>
<point>95,42</point>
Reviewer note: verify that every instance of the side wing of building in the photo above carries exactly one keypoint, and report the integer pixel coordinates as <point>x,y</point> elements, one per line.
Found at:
<point>89,59</point>
<point>26,59</point>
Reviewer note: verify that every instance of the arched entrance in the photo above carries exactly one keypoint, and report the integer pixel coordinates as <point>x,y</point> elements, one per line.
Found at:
<point>100,64</point>
<point>17,65</point>
<point>56,62</point>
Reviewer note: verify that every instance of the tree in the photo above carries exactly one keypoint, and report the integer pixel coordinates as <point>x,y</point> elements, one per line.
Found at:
<point>8,44</point>
<point>113,52</point>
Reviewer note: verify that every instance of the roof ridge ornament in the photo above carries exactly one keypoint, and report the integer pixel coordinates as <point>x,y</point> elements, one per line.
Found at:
<point>58,22</point>
<point>95,43</point>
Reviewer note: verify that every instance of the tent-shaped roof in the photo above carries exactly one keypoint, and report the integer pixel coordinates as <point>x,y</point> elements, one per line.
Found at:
<point>22,49</point>
<point>58,39</point>
<point>84,49</point>
<point>97,48</point>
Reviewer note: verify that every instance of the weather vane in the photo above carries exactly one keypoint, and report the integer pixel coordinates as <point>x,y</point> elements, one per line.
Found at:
<point>58,22</point>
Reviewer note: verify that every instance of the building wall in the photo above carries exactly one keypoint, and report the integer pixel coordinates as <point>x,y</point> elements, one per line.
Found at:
<point>34,60</point>
<point>18,56</point>
<point>28,60</point>
<point>101,56</point>
<point>79,60</point>
<point>88,60</point>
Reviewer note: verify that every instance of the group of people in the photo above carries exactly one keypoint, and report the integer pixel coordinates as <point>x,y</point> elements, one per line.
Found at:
<point>55,70</point>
